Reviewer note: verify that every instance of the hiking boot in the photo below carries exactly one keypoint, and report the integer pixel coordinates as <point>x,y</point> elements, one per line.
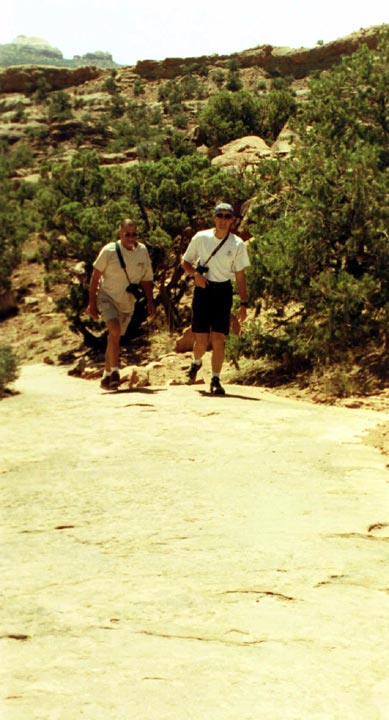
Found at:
<point>115,380</point>
<point>216,388</point>
<point>194,368</point>
<point>105,382</point>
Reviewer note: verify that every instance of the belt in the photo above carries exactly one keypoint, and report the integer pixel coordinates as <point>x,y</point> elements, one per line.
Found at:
<point>222,282</point>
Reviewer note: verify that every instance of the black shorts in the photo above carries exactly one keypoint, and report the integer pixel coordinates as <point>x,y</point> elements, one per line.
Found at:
<point>211,308</point>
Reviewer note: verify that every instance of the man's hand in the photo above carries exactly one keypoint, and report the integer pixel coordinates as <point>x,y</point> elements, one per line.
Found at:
<point>242,313</point>
<point>151,309</point>
<point>200,280</point>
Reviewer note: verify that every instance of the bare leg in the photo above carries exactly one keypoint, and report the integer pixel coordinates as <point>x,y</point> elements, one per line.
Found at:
<point>200,345</point>
<point>218,343</point>
<point>113,345</point>
<point>107,362</point>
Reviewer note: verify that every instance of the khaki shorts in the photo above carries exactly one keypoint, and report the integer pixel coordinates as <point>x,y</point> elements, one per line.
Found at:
<point>109,311</point>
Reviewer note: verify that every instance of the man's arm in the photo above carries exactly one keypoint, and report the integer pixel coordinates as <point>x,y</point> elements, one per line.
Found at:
<point>240,278</point>
<point>200,280</point>
<point>93,285</point>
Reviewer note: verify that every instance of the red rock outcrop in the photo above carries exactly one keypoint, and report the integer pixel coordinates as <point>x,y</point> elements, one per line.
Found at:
<point>275,60</point>
<point>19,78</point>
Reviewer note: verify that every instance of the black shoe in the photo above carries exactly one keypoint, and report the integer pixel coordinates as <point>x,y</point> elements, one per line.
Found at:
<point>105,382</point>
<point>194,368</point>
<point>115,380</point>
<point>216,388</point>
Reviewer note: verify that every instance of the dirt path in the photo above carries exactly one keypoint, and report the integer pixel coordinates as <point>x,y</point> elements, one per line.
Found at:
<point>172,556</point>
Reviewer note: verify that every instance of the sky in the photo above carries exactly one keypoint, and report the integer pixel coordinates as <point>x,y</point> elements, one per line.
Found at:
<point>157,29</point>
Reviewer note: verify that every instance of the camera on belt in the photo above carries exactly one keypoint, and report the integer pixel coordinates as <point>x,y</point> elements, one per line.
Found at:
<point>201,269</point>
<point>135,290</point>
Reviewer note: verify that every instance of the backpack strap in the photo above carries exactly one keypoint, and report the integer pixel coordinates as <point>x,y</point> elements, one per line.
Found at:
<point>217,248</point>
<point>121,259</point>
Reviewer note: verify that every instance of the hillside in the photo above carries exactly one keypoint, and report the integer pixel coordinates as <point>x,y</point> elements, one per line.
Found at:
<point>48,113</point>
<point>95,93</point>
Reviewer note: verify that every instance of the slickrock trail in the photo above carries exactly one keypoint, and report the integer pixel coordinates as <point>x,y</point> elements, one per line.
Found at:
<point>167,555</point>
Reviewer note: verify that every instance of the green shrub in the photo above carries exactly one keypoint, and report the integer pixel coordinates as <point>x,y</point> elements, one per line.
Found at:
<point>229,115</point>
<point>321,251</point>
<point>180,120</point>
<point>9,367</point>
<point>117,106</point>
<point>276,108</point>
<point>60,106</point>
<point>15,219</point>
<point>43,89</point>
<point>171,93</point>
<point>261,86</point>
<point>110,86</point>
<point>138,87</point>
<point>218,78</point>
<point>234,82</point>
<point>233,64</point>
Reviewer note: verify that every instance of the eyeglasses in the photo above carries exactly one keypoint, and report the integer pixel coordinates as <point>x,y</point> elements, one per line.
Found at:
<point>226,216</point>
<point>128,234</point>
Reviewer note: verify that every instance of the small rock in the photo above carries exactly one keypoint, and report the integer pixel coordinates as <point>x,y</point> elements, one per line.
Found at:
<point>78,369</point>
<point>135,376</point>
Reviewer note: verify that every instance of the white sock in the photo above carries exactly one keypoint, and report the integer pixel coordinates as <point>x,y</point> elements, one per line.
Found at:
<point>106,374</point>
<point>217,375</point>
<point>115,369</point>
<point>197,362</point>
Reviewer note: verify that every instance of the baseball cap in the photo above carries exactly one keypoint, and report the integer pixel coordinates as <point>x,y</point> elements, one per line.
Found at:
<point>224,206</point>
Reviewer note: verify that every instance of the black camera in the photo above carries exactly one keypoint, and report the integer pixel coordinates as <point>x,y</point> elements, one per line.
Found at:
<point>201,269</point>
<point>135,290</point>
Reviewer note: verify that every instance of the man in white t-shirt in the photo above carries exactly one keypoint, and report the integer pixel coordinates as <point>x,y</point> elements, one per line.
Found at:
<point>108,293</point>
<point>214,257</point>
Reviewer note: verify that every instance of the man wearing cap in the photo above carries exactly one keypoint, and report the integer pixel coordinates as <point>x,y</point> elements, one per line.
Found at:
<point>214,257</point>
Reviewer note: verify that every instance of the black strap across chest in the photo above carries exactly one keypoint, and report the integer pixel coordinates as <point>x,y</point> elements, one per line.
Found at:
<point>217,248</point>
<point>121,259</point>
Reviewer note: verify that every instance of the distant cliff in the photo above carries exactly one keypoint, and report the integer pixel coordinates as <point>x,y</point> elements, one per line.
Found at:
<point>275,60</point>
<point>294,62</point>
<point>36,51</point>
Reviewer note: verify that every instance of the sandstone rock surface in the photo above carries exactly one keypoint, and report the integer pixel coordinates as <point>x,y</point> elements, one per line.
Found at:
<point>244,152</point>
<point>166,554</point>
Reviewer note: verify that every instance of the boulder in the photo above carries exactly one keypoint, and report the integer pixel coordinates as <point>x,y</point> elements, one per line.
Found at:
<point>185,342</point>
<point>243,153</point>
<point>135,377</point>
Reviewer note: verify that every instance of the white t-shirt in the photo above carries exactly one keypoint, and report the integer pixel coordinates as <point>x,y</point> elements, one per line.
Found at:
<point>231,258</point>
<point>113,281</point>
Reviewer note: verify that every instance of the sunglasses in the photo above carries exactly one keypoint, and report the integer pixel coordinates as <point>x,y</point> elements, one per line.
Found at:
<point>226,216</point>
<point>128,234</point>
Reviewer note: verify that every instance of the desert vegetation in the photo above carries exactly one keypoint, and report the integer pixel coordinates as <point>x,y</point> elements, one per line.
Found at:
<point>9,367</point>
<point>318,219</point>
